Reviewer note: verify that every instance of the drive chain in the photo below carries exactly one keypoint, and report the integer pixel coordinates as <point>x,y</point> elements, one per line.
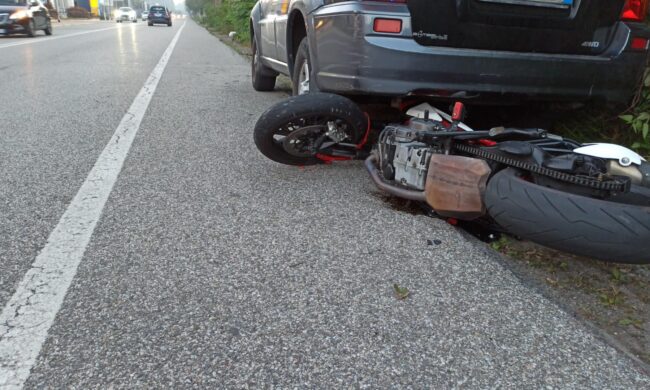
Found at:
<point>584,181</point>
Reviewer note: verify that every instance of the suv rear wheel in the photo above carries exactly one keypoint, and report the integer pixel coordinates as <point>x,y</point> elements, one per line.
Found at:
<point>301,80</point>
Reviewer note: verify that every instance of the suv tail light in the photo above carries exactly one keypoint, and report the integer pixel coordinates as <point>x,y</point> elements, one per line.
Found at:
<point>393,26</point>
<point>635,10</point>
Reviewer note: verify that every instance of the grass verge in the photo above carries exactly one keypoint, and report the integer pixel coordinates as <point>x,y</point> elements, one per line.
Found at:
<point>613,297</point>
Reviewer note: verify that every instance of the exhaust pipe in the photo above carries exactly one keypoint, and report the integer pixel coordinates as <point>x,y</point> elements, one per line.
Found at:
<point>371,162</point>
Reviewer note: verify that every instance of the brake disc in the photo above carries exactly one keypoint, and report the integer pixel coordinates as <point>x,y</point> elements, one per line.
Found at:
<point>302,142</point>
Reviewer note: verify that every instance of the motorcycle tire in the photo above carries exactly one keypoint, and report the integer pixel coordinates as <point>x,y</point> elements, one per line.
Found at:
<point>293,109</point>
<point>585,226</point>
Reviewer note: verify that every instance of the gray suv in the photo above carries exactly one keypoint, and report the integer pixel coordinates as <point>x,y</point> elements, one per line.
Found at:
<point>484,49</point>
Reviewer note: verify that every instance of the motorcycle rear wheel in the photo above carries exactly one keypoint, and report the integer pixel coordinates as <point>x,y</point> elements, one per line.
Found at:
<point>585,226</point>
<point>307,115</point>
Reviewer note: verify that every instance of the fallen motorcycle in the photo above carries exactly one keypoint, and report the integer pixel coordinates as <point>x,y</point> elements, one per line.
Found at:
<point>587,199</point>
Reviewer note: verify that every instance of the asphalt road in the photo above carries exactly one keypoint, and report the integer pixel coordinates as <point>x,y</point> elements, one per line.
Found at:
<point>211,266</point>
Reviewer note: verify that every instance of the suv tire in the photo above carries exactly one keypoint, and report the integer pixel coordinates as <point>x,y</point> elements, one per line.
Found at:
<point>263,78</point>
<point>301,79</point>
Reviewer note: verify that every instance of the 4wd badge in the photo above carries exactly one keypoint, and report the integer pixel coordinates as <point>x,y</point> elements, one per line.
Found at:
<point>592,44</point>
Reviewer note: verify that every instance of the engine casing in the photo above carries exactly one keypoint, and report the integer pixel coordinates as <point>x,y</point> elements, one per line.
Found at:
<point>407,159</point>
<point>411,163</point>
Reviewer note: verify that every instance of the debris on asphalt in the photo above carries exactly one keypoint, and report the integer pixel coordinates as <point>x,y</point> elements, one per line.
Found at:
<point>401,293</point>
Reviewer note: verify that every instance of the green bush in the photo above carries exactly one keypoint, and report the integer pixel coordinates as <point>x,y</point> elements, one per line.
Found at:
<point>638,119</point>
<point>226,16</point>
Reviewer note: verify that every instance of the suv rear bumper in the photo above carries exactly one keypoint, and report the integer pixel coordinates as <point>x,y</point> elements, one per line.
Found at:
<point>349,58</point>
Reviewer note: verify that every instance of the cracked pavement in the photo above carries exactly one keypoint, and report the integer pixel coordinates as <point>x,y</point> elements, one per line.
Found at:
<point>213,267</point>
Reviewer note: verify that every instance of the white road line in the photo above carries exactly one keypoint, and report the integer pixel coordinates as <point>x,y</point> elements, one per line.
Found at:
<point>55,37</point>
<point>30,312</point>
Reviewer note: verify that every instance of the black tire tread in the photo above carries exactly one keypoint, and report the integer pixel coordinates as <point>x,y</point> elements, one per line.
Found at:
<point>302,55</point>
<point>263,78</point>
<point>577,224</point>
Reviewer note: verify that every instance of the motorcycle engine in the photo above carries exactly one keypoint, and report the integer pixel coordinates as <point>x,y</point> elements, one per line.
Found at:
<point>402,158</point>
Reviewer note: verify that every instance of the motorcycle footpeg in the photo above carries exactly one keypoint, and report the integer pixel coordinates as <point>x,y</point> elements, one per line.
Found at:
<point>343,150</point>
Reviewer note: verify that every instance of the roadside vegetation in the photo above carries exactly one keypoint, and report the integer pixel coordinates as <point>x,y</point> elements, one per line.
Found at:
<point>224,16</point>
<point>638,117</point>
<point>615,124</point>
<point>614,297</point>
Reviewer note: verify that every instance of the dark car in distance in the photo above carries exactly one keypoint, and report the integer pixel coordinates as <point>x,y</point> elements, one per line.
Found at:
<point>484,49</point>
<point>24,17</point>
<point>159,15</point>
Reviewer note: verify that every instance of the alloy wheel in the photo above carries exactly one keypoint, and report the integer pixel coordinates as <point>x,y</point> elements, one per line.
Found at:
<point>303,79</point>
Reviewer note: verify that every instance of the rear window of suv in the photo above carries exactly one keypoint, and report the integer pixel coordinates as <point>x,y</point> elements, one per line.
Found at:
<point>156,9</point>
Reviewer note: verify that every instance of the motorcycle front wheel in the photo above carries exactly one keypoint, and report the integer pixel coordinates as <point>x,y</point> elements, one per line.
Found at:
<point>291,131</point>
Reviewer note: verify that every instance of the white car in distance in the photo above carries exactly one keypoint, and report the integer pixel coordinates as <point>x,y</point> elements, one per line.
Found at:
<point>126,14</point>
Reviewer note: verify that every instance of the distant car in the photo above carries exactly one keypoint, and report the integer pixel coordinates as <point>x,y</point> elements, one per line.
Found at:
<point>144,15</point>
<point>24,17</point>
<point>449,49</point>
<point>159,14</point>
<point>125,14</point>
